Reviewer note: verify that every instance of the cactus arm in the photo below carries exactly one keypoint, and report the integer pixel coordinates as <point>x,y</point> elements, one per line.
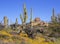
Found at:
<point>21,18</point>
<point>25,14</point>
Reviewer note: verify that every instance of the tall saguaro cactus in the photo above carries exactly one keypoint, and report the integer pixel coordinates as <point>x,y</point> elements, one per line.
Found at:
<point>24,17</point>
<point>5,21</point>
<point>31,18</point>
<point>53,17</point>
<point>16,21</point>
<point>31,15</point>
<point>25,13</point>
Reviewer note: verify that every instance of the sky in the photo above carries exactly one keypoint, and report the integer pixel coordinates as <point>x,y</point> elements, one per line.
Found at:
<point>40,8</point>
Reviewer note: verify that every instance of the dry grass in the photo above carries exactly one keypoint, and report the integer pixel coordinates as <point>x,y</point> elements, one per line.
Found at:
<point>22,39</point>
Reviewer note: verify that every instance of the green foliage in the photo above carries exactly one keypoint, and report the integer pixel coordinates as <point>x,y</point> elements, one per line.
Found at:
<point>4,36</point>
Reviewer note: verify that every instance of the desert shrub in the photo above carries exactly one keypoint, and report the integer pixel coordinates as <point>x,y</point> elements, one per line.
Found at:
<point>23,41</point>
<point>15,38</point>
<point>4,36</point>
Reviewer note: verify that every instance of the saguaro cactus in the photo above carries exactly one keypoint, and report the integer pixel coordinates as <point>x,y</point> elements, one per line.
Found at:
<point>31,15</point>
<point>25,14</point>
<point>31,18</point>
<point>5,21</point>
<point>24,17</point>
<point>53,17</point>
<point>16,21</point>
<point>59,18</point>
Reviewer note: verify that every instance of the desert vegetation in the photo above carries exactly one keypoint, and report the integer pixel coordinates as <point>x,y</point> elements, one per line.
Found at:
<point>34,32</point>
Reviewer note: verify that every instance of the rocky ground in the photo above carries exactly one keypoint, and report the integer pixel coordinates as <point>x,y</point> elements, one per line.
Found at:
<point>6,38</point>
